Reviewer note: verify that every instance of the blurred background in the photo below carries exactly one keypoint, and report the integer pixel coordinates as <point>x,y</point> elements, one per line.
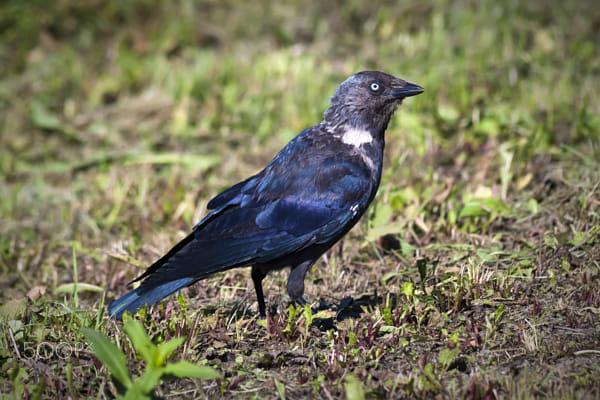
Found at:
<point>207,91</point>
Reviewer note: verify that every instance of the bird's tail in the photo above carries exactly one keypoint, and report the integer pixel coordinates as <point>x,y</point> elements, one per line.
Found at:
<point>188,261</point>
<point>136,299</point>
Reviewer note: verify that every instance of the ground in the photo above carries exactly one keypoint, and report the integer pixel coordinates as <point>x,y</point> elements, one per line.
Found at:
<point>473,275</point>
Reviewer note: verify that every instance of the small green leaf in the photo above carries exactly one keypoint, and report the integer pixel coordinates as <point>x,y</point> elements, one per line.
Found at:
<point>354,389</point>
<point>166,348</point>
<point>407,249</point>
<point>42,118</point>
<point>499,314</point>
<point>181,302</point>
<point>452,217</point>
<point>533,205</point>
<point>482,206</point>
<point>187,369</point>
<point>472,209</point>
<point>280,388</point>
<point>488,126</point>
<point>140,340</point>
<point>351,339</point>
<point>292,312</point>
<point>447,356</point>
<point>308,315</point>
<point>110,355</point>
<point>387,313</point>
<point>407,290</point>
<point>149,379</point>
<point>263,323</point>
<point>17,327</point>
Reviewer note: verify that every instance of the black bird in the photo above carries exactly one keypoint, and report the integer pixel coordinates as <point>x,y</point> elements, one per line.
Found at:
<point>308,197</point>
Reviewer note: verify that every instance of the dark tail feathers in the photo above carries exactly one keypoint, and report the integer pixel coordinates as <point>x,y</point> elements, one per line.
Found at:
<point>133,300</point>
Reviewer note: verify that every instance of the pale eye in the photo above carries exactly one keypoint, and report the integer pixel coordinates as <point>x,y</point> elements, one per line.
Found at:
<point>374,86</point>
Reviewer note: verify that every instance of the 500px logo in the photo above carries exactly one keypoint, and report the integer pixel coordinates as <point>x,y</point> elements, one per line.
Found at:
<point>48,350</point>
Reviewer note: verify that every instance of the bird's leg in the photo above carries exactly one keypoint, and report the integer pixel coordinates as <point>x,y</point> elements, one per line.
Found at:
<point>295,284</point>
<point>300,301</point>
<point>257,277</point>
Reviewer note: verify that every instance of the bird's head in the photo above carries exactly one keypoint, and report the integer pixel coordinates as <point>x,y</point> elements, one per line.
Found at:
<point>368,99</point>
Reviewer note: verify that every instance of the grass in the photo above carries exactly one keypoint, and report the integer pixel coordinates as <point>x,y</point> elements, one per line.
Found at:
<point>474,273</point>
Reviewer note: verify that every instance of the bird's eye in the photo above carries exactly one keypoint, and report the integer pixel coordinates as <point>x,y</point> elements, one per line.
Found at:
<point>375,86</point>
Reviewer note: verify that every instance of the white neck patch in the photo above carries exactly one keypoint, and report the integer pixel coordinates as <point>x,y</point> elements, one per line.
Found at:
<point>356,137</point>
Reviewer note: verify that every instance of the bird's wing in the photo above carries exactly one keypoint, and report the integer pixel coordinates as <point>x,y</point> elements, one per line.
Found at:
<point>321,201</point>
<point>268,218</point>
<point>286,156</point>
<point>317,199</point>
<point>229,194</point>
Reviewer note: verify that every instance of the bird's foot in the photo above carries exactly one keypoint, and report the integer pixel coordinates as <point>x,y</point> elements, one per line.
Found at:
<point>345,303</point>
<point>314,309</point>
<point>300,300</point>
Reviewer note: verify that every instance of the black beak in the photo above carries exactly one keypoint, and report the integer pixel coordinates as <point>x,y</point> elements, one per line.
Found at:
<point>408,90</point>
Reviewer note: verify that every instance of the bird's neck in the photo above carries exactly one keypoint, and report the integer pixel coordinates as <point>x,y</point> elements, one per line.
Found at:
<point>366,142</point>
<point>340,117</point>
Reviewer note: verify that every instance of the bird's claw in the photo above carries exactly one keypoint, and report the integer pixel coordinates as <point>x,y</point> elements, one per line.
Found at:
<point>345,303</point>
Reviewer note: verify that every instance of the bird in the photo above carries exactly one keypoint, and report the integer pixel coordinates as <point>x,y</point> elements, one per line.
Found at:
<point>291,212</point>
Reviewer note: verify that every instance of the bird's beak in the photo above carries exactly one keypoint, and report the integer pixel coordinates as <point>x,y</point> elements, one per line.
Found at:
<point>408,90</point>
